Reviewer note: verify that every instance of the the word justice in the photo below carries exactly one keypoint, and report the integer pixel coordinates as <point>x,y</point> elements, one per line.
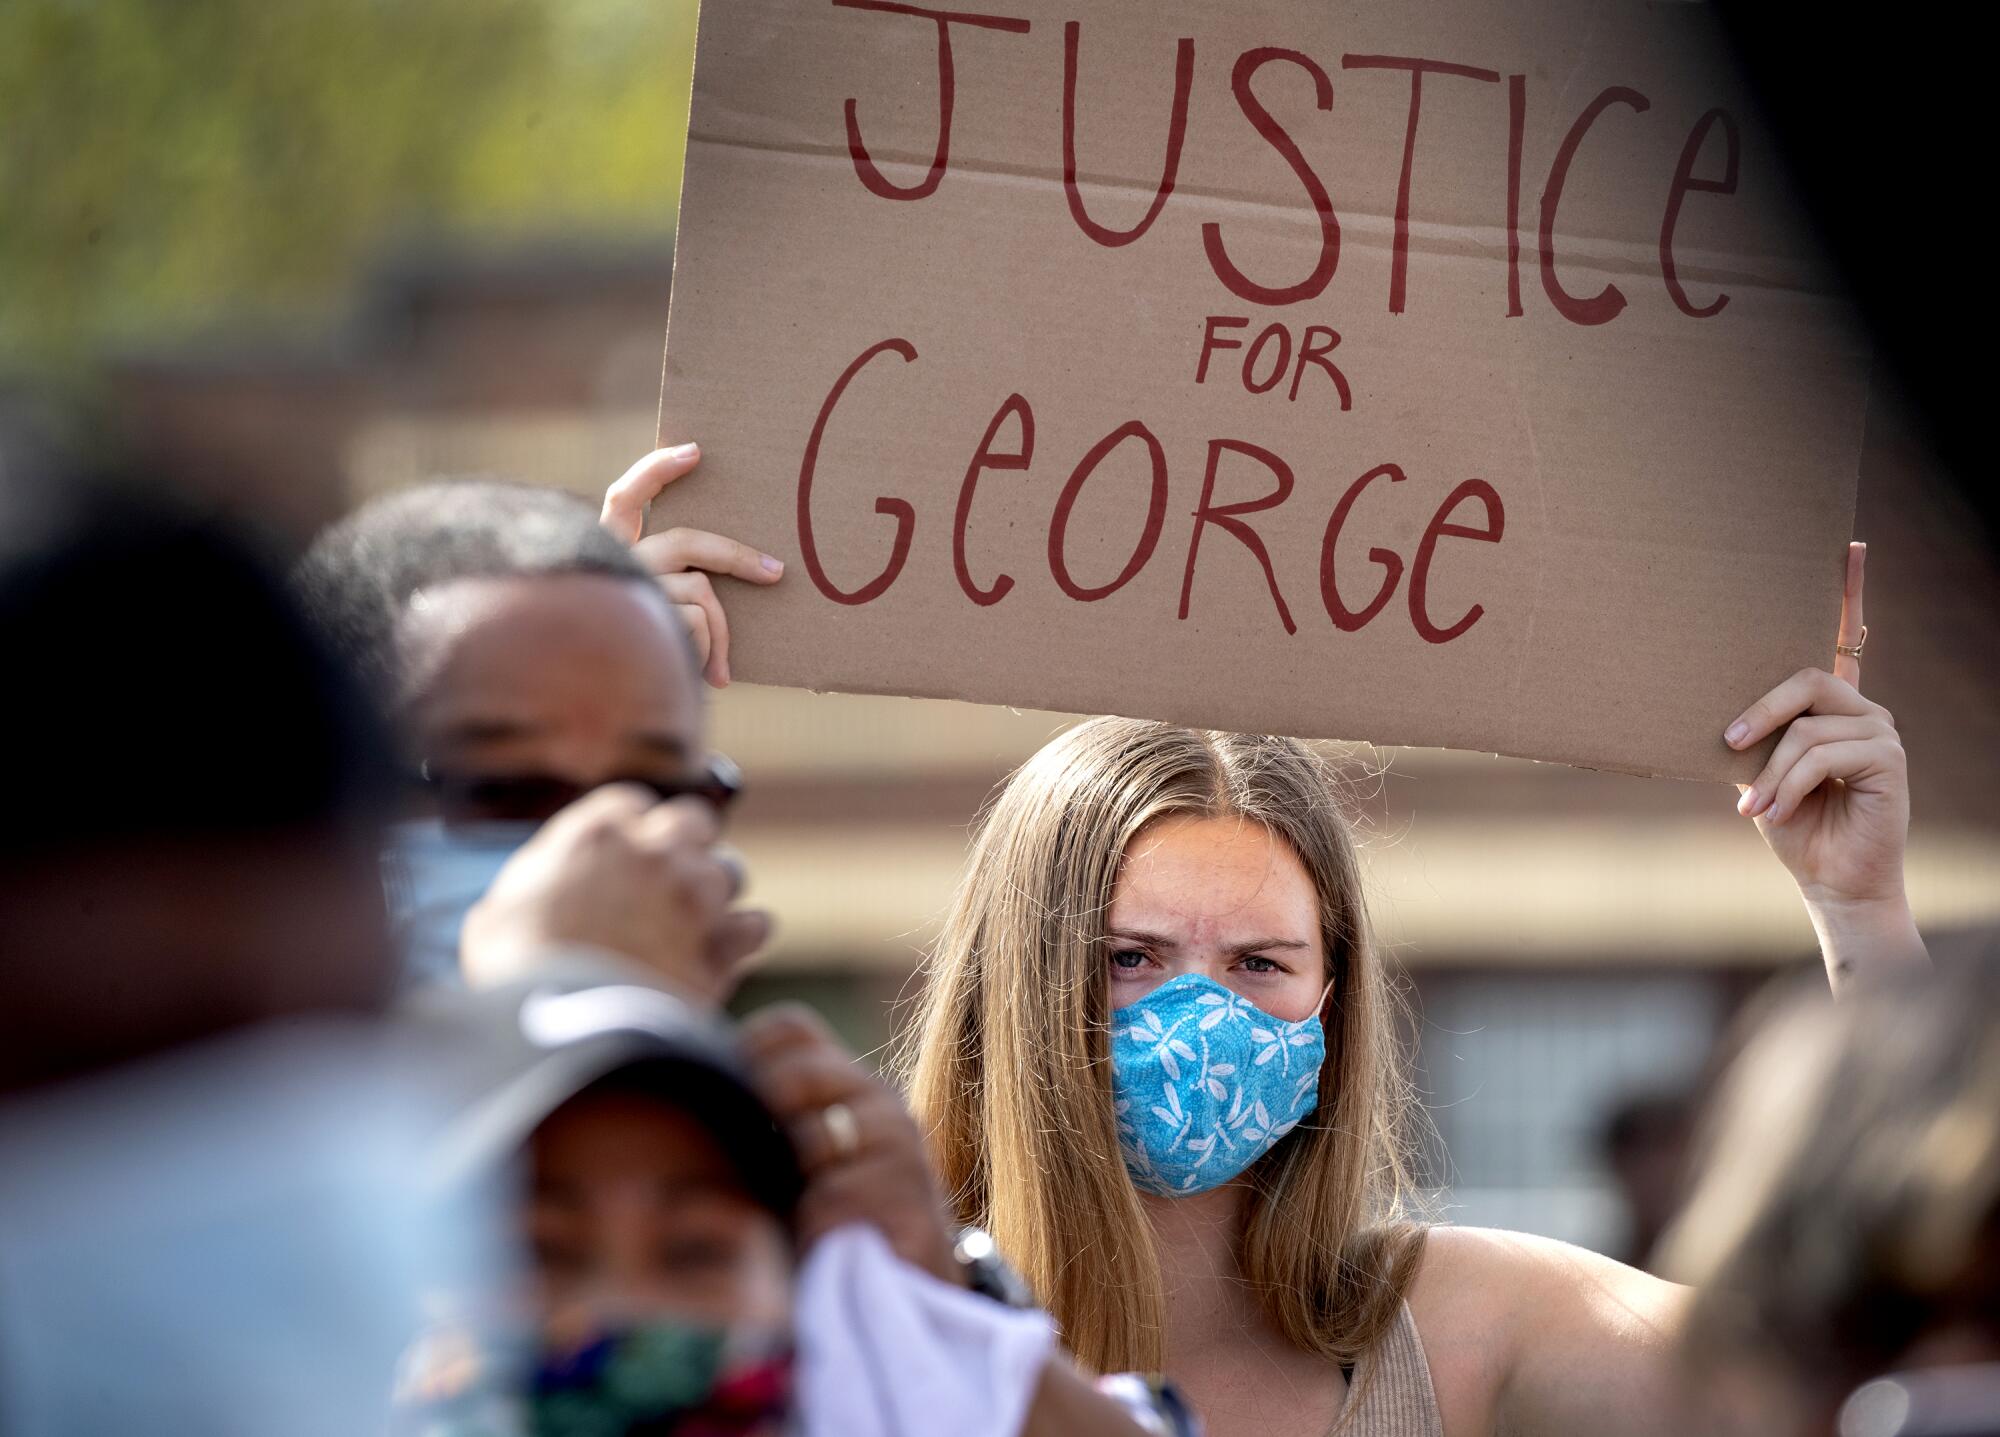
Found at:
<point>1471,511</point>
<point>1597,308</point>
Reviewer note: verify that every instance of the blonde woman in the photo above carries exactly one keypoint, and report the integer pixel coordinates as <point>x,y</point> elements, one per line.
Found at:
<point>1155,1058</point>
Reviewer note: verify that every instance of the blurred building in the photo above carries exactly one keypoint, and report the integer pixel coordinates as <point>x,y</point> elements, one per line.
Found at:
<point>1572,938</point>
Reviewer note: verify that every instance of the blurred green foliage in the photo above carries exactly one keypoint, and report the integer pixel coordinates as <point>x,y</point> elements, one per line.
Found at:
<point>165,164</point>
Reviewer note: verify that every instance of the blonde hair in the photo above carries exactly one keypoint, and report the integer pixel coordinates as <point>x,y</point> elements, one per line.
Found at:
<point>1008,1070</point>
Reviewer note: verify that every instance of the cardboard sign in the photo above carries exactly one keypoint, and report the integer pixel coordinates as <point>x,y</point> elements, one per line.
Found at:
<point>1451,374</point>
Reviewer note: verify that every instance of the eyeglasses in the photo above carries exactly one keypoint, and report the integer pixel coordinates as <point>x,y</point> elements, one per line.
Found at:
<point>538,797</point>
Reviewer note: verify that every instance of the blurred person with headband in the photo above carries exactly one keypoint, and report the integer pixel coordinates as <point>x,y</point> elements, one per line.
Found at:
<point>683,1272</point>
<point>1843,1234</point>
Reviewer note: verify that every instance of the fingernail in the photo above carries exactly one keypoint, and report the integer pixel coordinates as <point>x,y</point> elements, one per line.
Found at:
<point>1776,815</point>
<point>685,451</point>
<point>771,566</point>
<point>1747,804</point>
<point>1736,733</point>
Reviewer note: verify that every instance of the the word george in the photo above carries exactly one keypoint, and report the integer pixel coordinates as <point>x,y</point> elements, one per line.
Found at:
<point>1475,495</point>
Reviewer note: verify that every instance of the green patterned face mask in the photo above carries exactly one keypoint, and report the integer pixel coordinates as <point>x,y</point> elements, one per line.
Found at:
<point>664,1378</point>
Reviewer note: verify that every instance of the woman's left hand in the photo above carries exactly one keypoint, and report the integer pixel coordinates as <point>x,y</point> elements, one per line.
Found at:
<point>863,1156</point>
<point>1833,801</point>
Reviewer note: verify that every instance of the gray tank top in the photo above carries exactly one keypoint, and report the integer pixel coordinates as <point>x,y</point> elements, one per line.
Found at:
<point>1391,1393</point>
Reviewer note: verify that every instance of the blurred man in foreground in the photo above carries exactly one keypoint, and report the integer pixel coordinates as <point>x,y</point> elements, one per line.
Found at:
<point>190,826</point>
<point>207,1220</point>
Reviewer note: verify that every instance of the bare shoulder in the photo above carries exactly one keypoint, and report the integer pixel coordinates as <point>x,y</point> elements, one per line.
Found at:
<point>1499,1310</point>
<point>1462,1257</point>
<point>1495,1278</point>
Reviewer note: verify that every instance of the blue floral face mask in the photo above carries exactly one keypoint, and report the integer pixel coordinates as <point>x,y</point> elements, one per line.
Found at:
<point>1205,1083</point>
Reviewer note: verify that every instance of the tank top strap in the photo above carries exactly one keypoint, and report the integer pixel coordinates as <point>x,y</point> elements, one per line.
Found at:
<point>1390,1392</point>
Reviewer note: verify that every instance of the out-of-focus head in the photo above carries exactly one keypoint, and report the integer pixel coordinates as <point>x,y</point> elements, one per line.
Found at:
<point>637,1208</point>
<point>513,638</point>
<point>1845,1219</point>
<point>1643,1142</point>
<point>526,657</point>
<point>663,1266</point>
<point>657,1197</point>
<point>197,785</point>
<point>1191,846</point>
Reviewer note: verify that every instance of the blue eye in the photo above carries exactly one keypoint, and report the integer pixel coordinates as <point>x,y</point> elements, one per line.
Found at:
<point>1127,958</point>
<point>1259,964</point>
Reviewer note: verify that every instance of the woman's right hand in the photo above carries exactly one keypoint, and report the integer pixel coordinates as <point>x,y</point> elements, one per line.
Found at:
<point>685,559</point>
<point>1833,802</point>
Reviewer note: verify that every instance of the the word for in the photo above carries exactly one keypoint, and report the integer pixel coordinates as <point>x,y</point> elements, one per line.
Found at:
<point>1314,347</point>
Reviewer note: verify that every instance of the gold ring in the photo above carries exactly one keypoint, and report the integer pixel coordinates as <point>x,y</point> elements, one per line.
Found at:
<point>1853,651</point>
<point>842,1131</point>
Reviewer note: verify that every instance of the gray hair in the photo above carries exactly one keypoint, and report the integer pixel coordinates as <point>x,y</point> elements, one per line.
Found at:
<point>359,576</point>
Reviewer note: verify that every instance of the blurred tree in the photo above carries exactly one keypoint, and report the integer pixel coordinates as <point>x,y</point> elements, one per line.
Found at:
<point>164,163</point>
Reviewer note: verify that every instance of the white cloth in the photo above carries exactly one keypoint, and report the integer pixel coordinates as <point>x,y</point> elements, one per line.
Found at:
<point>886,1350</point>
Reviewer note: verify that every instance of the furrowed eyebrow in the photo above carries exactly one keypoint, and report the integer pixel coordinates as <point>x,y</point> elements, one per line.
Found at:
<point>1262,944</point>
<point>1139,937</point>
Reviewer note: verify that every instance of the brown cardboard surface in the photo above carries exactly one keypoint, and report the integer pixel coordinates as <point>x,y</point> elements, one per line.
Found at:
<point>1671,490</point>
